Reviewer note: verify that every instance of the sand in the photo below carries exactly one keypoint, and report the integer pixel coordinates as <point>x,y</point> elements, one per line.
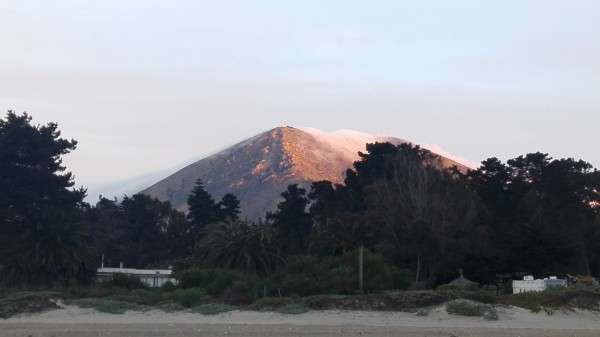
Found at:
<point>74,321</point>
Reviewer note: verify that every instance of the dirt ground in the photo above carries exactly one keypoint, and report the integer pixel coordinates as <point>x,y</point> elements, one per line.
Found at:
<point>189,330</point>
<point>72,321</point>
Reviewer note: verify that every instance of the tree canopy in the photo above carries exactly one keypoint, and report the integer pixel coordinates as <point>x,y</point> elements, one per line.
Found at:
<point>417,221</point>
<point>44,236</point>
<point>291,220</point>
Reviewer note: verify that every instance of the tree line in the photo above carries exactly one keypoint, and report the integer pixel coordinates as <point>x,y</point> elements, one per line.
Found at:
<point>417,221</point>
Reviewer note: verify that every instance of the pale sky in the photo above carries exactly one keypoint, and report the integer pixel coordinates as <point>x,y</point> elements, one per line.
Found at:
<point>145,86</point>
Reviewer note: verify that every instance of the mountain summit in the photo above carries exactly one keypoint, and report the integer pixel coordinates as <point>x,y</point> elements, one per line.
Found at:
<point>260,168</point>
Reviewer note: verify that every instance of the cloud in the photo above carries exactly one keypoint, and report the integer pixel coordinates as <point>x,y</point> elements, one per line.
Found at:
<point>354,141</point>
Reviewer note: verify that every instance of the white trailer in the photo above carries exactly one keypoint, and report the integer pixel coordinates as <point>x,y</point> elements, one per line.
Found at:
<point>528,284</point>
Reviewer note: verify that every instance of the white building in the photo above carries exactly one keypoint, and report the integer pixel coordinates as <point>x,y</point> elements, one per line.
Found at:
<point>529,284</point>
<point>152,277</point>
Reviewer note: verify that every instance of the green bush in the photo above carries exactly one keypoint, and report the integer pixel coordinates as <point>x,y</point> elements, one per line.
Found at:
<point>292,309</point>
<point>554,298</point>
<point>326,302</point>
<point>125,298</point>
<point>188,297</point>
<point>168,287</point>
<point>217,281</point>
<point>29,294</point>
<point>411,300</point>
<point>311,275</point>
<point>237,294</point>
<point>169,306</point>
<point>479,296</point>
<point>269,303</point>
<point>106,305</point>
<point>314,275</point>
<point>124,281</point>
<point>212,308</point>
<point>98,291</point>
<point>377,276</point>
<point>470,308</point>
<point>27,302</point>
<point>147,296</point>
<point>401,278</point>
<point>422,312</point>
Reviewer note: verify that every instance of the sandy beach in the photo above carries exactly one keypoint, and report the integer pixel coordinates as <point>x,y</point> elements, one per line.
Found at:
<point>74,321</point>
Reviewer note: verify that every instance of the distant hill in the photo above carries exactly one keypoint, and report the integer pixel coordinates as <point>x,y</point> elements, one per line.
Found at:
<point>258,169</point>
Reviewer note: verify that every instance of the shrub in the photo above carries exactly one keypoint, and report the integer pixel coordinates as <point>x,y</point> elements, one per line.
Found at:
<point>311,275</point>
<point>554,298</point>
<point>422,312</point>
<point>188,297</point>
<point>314,275</point>
<point>168,287</point>
<point>378,274</point>
<point>125,298</point>
<point>469,308</point>
<point>216,281</point>
<point>97,291</point>
<point>193,278</point>
<point>106,305</point>
<point>212,308</point>
<point>327,302</point>
<point>124,281</point>
<point>410,300</point>
<point>401,278</point>
<point>292,309</point>
<point>269,303</point>
<point>417,286</point>
<point>32,294</point>
<point>147,296</point>
<point>238,293</point>
<point>169,306</point>
<point>27,302</point>
<point>479,296</point>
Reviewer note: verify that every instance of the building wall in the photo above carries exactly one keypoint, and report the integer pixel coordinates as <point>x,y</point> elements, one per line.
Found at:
<point>155,281</point>
<point>151,278</point>
<point>528,286</point>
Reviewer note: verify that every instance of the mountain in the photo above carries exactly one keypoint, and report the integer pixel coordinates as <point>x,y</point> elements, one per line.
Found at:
<point>259,169</point>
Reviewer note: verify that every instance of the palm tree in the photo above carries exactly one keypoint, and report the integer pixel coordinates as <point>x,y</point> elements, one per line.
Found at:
<point>56,247</point>
<point>236,245</point>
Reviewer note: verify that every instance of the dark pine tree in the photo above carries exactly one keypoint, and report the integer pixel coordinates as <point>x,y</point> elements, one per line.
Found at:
<point>291,221</point>
<point>43,234</point>
<point>229,207</point>
<point>202,210</point>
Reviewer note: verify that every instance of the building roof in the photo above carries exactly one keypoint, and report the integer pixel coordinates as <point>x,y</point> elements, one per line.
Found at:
<point>161,272</point>
<point>461,281</point>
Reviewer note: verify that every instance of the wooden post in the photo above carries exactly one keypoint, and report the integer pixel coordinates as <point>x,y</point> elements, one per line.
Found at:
<point>360,268</point>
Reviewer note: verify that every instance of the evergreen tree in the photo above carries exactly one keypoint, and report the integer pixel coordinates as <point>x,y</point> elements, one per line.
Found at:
<point>140,232</point>
<point>542,213</point>
<point>43,234</point>
<point>202,209</point>
<point>425,210</point>
<point>324,203</point>
<point>110,232</point>
<point>229,207</point>
<point>291,220</point>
